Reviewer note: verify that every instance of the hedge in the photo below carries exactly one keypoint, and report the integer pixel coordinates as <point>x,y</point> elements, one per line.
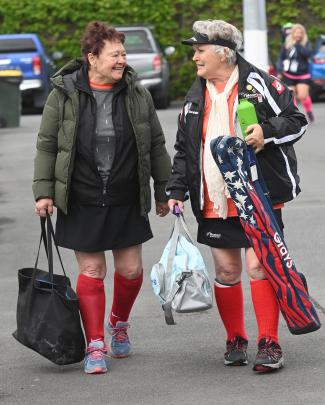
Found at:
<point>60,23</point>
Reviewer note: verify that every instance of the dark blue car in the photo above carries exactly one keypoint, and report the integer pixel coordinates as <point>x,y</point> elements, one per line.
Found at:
<point>26,53</point>
<point>317,68</point>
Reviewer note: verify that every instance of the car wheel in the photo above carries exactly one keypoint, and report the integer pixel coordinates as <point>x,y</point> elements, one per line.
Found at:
<point>39,99</point>
<point>161,99</point>
<point>3,123</point>
<point>161,103</point>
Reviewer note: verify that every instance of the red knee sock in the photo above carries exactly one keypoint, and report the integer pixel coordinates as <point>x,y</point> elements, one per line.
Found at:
<point>125,292</point>
<point>266,309</point>
<point>307,104</point>
<point>91,296</point>
<point>230,302</point>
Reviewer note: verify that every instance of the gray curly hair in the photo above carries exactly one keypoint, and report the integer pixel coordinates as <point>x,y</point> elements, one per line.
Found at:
<point>221,29</point>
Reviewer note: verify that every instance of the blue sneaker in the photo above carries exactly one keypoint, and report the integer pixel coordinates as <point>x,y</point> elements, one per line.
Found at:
<point>120,344</point>
<point>95,362</point>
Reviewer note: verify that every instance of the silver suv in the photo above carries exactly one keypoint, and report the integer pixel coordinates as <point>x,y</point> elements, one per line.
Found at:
<point>148,60</point>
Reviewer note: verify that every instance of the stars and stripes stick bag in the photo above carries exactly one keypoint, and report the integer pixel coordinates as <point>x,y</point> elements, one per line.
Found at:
<point>234,160</point>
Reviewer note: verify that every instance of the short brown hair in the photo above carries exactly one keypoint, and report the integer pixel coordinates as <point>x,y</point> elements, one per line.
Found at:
<point>95,35</point>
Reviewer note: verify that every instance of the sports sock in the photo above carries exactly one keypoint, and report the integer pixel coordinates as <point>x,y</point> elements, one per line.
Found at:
<point>266,309</point>
<point>125,293</point>
<point>230,302</point>
<point>91,294</point>
<point>307,104</point>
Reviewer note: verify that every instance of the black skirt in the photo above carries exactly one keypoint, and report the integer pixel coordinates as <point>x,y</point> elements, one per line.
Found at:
<point>89,228</point>
<point>293,82</point>
<point>226,233</point>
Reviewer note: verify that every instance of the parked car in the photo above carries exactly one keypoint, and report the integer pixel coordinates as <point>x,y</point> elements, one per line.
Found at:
<point>26,53</point>
<point>149,61</point>
<point>317,68</point>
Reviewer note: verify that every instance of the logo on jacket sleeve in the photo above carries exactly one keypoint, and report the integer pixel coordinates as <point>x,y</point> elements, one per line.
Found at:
<point>278,86</point>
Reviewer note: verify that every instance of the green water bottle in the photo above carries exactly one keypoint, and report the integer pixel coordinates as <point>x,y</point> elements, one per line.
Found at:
<point>246,114</point>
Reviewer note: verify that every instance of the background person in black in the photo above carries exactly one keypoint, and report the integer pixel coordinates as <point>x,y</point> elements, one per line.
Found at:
<point>294,66</point>
<point>99,143</point>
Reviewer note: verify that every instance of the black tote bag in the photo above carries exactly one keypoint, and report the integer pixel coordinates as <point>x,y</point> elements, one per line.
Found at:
<point>48,319</point>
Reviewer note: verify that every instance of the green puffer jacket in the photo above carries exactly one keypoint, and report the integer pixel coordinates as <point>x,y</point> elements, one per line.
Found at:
<point>56,142</point>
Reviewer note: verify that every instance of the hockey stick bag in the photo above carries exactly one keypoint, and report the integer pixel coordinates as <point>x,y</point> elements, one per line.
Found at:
<point>238,167</point>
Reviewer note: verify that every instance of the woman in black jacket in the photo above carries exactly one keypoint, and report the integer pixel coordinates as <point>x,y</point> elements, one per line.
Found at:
<point>294,57</point>
<point>224,78</point>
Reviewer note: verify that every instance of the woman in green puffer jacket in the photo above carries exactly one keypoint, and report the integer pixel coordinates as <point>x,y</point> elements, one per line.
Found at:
<point>99,143</point>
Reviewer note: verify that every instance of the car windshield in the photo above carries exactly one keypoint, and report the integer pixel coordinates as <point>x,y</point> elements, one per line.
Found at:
<point>137,42</point>
<point>17,45</point>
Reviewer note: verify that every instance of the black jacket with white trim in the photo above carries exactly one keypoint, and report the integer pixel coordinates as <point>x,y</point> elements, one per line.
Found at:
<point>282,123</point>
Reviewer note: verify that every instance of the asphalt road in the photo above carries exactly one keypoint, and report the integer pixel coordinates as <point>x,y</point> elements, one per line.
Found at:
<point>173,365</point>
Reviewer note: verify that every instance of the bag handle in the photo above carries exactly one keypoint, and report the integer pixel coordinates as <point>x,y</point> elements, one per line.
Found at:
<point>172,249</point>
<point>179,221</point>
<point>167,307</point>
<point>50,238</point>
<point>179,214</point>
<point>43,238</point>
<point>47,236</point>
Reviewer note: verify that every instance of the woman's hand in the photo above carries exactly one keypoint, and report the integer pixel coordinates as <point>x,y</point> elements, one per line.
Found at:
<point>255,137</point>
<point>162,208</point>
<point>172,203</point>
<point>44,206</point>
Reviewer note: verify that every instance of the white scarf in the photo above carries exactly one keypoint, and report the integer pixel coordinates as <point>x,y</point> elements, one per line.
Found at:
<point>218,125</point>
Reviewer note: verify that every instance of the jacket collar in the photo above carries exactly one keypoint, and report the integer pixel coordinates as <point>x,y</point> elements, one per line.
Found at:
<point>197,90</point>
<point>82,81</point>
<point>245,68</point>
<point>74,75</point>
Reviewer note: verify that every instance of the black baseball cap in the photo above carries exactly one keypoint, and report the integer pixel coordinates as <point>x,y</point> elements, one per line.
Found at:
<point>203,39</point>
